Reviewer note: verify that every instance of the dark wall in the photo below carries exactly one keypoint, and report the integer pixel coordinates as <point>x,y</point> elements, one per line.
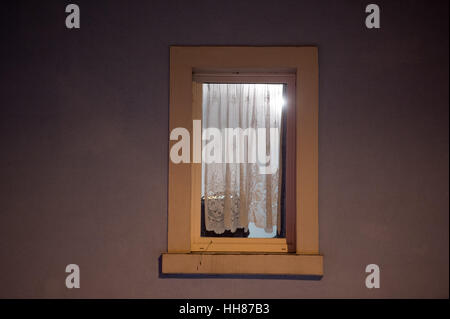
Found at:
<point>84,144</point>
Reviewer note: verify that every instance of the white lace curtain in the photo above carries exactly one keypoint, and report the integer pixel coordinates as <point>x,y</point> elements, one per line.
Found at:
<point>237,193</point>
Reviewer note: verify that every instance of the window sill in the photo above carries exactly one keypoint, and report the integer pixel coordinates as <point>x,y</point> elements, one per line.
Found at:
<point>242,264</point>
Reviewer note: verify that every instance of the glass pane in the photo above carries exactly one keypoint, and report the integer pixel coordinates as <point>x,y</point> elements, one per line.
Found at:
<point>243,151</point>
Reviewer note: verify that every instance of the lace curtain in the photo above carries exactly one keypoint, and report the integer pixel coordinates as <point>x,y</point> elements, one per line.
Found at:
<point>237,193</point>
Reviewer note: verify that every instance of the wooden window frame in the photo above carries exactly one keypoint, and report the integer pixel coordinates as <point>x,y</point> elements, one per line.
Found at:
<point>227,244</point>
<point>183,257</point>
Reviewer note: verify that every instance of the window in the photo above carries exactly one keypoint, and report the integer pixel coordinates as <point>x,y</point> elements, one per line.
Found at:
<point>236,199</point>
<point>236,206</point>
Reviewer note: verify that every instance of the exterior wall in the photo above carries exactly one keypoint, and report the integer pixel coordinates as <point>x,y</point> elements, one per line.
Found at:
<point>84,144</point>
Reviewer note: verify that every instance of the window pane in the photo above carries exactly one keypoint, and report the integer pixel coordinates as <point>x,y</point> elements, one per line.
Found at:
<point>242,166</point>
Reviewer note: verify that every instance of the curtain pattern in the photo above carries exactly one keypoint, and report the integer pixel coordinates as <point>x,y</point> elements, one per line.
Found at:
<point>237,193</point>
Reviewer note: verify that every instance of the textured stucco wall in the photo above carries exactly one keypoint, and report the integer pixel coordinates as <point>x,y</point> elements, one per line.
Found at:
<point>84,144</point>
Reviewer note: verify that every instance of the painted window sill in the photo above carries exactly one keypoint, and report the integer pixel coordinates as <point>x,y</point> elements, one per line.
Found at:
<point>242,264</point>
